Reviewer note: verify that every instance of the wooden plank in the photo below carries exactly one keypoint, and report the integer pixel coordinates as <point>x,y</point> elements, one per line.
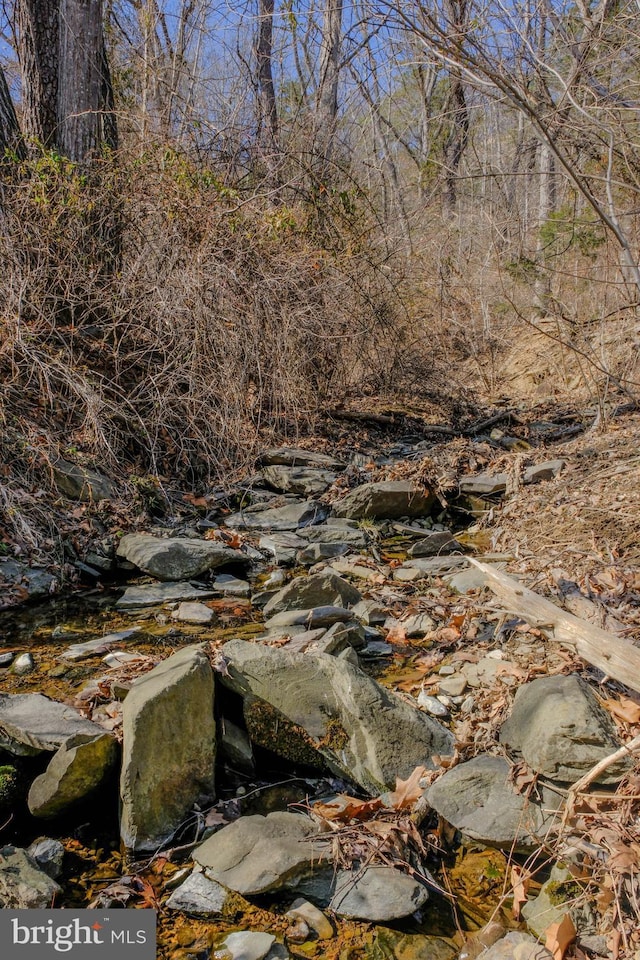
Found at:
<point>617,657</point>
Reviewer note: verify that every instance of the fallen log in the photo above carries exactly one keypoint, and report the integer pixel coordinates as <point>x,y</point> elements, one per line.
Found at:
<point>615,656</point>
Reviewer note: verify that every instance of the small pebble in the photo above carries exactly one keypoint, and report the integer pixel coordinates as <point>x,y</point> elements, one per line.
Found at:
<point>447,670</point>
<point>23,664</point>
<point>298,932</point>
<point>432,705</point>
<point>496,654</point>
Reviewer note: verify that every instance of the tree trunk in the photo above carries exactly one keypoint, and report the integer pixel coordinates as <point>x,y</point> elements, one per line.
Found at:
<point>10,138</point>
<point>85,106</point>
<point>267,108</point>
<point>327,95</point>
<point>38,31</point>
<point>459,135</point>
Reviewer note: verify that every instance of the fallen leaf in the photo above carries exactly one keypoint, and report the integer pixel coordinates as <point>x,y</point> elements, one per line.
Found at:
<point>520,884</point>
<point>397,634</point>
<point>559,935</point>
<point>408,791</point>
<point>624,709</point>
<point>347,808</point>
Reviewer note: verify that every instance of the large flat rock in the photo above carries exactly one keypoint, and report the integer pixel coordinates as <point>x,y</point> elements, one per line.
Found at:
<point>177,558</point>
<point>363,731</point>
<point>388,500</point>
<point>561,731</point>
<point>319,590</point>
<point>377,893</point>
<point>169,741</point>
<point>305,481</point>
<point>31,723</point>
<point>152,594</point>
<point>287,518</point>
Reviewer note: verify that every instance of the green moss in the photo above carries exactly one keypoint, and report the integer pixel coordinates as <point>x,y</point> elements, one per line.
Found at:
<point>559,891</point>
<point>9,787</point>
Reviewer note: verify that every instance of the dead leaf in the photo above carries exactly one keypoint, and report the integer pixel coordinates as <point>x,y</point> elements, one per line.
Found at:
<point>520,885</point>
<point>407,792</point>
<point>559,936</point>
<point>624,709</point>
<point>347,808</point>
<point>397,634</point>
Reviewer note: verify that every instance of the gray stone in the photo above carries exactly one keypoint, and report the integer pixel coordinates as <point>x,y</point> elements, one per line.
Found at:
<point>552,903</point>
<point>80,651</point>
<point>79,483</point>
<point>152,594</point>
<point>544,471</point>
<point>23,664</point>
<point>316,552</point>
<point>37,582</point>
<point>363,731</point>
<point>312,916</point>
<point>6,659</point>
<point>517,946</point>
<point>467,580</point>
<point>297,457</point>
<point>168,748</point>
<point>283,547</point>
<point>23,885</point>
<point>289,517</point>
<point>388,500</point>
<point>303,593</point>
<point>561,731</point>
<point>336,532</point>
<point>236,745</point>
<point>246,945</point>
<point>304,481</point>
<point>432,705</point>
<point>453,686</point>
<point>75,771</point>
<point>296,638</point>
<point>369,612</point>
<point>191,611</point>
<point>377,893</point>
<point>259,854</point>
<point>414,626</point>
<point>176,558</point>
<point>231,586</point>
<point>483,484</point>
<point>48,854</point>
<point>31,723</point>
<point>477,798</point>
<point>342,635</point>
<point>435,544</point>
<point>307,619</point>
<point>199,897</point>
<point>420,568</point>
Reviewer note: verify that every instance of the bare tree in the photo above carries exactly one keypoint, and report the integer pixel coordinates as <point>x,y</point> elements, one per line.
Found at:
<point>326,111</point>
<point>10,138</point>
<point>38,32</point>
<point>267,107</point>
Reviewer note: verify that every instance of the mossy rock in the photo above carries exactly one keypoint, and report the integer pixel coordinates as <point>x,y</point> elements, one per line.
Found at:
<point>10,788</point>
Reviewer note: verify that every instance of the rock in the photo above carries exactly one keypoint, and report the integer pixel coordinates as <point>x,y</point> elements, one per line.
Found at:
<point>483,484</point>
<point>420,568</point>
<point>80,651</point>
<point>467,580</point>
<point>369,612</point>
<point>246,945</point>
<point>395,945</point>
<point>313,917</point>
<point>476,944</point>
<point>517,946</point>
<point>296,638</point>
<point>561,731</point>
<point>435,544</point>
<point>75,771</point>
<point>452,686</point>
<point>477,798</point>
<point>190,611</point>
<point>316,552</point>
<point>363,731</point>
<point>303,593</point>
<point>48,855</point>
<point>486,671</point>
<point>168,748</point>
<point>23,885</point>
<point>304,481</point>
<point>152,594</point>
<point>413,626</point>
<point>388,500</point>
<point>231,586</point>
<point>79,483</point>
<point>307,619</point>
<point>432,705</point>
<point>236,745</point>
<point>259,854</point>
<point>9,788</point>
<point>31,723</point>
<point>23,665</point>
<point>6,659</point>
<point>18,577</point>
<point>354,567</point>
<point>283,547</point>
<point>554,900</point>
<point>296,457</point>
<point>199,896</point>
<point>336,532</point>
<point>341,636</point>
<point>177,558</point>
<point>289,517</point>
<point>377,893</point>
<point>543,471</point>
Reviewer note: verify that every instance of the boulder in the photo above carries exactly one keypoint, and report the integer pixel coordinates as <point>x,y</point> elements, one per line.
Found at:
<point>153,594</point>
<point>301,909</point>
<point>23,885</point>
<point>75,771</point>
<point>316,552</point>
<point>305,481</point>
<point>363,731</point>
<point>168,748</point>
<point>48,855</point>
<point>561,731</point>
<point>478,799</point>
<point>296,457</point>
<point>259,854</point>
<point>303,593</point>
<point>387,500</point>
<point>78,483</point>
<point>177,558</point>
<point>289,517</point>
<point>377,893</point>
<point>31,723</point>
<point>200,897</point>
